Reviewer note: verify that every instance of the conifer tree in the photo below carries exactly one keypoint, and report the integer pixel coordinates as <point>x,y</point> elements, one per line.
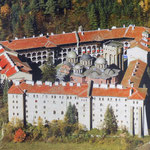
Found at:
<point>29,25</point>
<point>48,71</point>
<point>92,17</point>
<point>71,114</point>
<point>42,5</point>
<point>110,123</point>
<point>5,91</point>
<point>50,7</point>
<point>34,5</point>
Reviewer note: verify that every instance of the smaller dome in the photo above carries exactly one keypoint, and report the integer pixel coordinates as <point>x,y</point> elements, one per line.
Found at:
<point>100,60</point>
<point>78,66</point>
<point>94,75</point>
<point>67,63</point>
<point>72,54</point>
<point>86,57</point>
<point>109,72</point>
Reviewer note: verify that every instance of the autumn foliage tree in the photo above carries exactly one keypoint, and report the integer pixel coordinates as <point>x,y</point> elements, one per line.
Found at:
<point>19,135</point>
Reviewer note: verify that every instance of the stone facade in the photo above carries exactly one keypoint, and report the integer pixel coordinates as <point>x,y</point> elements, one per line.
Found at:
<point>91,106</point>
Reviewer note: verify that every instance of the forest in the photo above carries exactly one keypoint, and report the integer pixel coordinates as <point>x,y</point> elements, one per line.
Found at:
<point>19,18</point>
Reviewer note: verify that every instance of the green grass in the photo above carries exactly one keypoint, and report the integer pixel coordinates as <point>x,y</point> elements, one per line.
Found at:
<point>106,144</point>
<point>58,146</point>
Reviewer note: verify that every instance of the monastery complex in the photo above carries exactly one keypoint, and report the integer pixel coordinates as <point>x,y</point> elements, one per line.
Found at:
<point>97,69</point>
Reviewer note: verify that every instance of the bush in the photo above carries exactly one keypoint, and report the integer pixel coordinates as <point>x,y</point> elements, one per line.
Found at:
<point>19,135</point>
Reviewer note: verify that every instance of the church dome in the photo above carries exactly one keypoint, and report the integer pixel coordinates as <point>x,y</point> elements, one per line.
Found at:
<point>109,72</point>
<point>100,60</point>
<point>86,57</point>
<point>72,54</point>
<point>78,66</point>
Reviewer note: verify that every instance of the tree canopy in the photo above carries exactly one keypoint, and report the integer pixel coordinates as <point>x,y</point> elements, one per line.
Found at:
<point>71,114</point>
<point>48,72</point>
<point>24,18</point>
<point>110,122</point>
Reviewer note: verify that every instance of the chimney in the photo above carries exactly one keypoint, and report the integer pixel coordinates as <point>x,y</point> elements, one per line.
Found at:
<point>41,35</point>
<point>24,90</point>
<point>47,82</point>
<point>71,84</point>
<point>130,92</point>
<point>124,26</point>
<point>129,81</point>
<point>96,85</point>
<point>133,27</point>
<point>56,83</point>
<point>17,83</point>
<point>50,84</point>
<point>112,86</point>
<point>52,33</point>
<point>63,83</point>
<point>16,38</point>
<point>30,82</point>
<point>78,84</point>
<point>80,29</point>
<point>63,32</point>
<point>39,82</point>
<point>99,29</point>
<point>113,27</point>
<point>119,86</point>
<point>33,36</point>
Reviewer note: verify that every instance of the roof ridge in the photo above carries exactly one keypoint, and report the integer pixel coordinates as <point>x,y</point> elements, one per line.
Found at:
<point>49,42</point>
<point>126,31</point>
<point>136,92</point>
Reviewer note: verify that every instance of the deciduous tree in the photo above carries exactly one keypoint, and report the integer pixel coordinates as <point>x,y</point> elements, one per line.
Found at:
<point>19,135</point>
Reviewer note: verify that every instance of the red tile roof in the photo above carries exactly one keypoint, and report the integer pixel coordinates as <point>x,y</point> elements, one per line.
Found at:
<point>7,67</point>
<point>28,43</point>
<point>22,66</point>
<point>64,90</point>
<point>80,91</point>
<point>134,73</point>
<point>125,92</point>
<point>70,38</point>
<point>11,64</point>
<point>61,39</point>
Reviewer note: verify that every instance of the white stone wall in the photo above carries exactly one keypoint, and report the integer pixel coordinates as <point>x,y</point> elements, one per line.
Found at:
<point>21,75</point>
<point>85,112</point>
<point>15,106</point>
<point>137,53</point>
<point>121,107</point>
<point>91,111</point>
<point>48,106</point>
